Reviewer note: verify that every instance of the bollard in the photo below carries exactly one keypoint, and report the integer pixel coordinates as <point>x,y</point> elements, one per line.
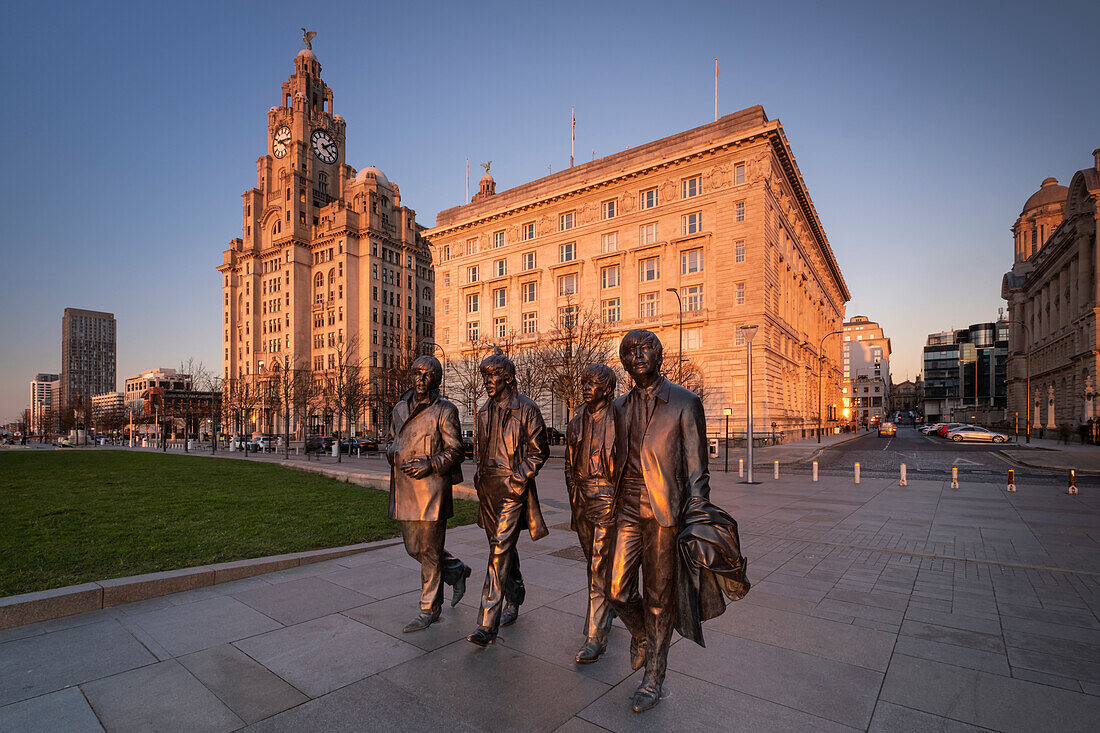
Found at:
<point>740,468</point>
<point>815,470</point>
<point>857,472</point>
<point>1011,479</point>
<point>776,469</point>
<point>954,477</point>
<point>903,482</point>
<point>1072,481</point>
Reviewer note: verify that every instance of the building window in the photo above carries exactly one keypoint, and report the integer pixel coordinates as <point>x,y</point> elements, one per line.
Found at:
<point>693,297</point>
<point>500,327</point>
<point>693,338</point>
<point>609,242</point>
<point>692,223</point>
<point>691,261</point>
<point>567,252</point>
<point>610,209</point>
<point>647,234</point>
<point>530,322</point>
<point>567,316</point>
<point>473,302</point>
<point>739,340</point>
<point>739,211</point>
<point>530,292</point>
<point>649,269</point>
<point>473,331</point>
<point>567,284</point>
<point>739,250</point>
<point>498,239</point>
<point>566,221</point>
<point>446,279</point>
<point>471,274</point>
<point>612,311</point>
<point>500,298</point>
<point>739,293</point>
<point>528,231</point>
<point>739,174</point>
<point>471,246</point>
<point>648,305</point>
<point>648,198</point>
<point>500,268</point>
<point>691,187</point>
<point>530,261</point>
<point>609,276</point>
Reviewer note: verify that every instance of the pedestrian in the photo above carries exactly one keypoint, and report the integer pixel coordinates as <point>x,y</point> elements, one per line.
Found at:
<point>1063,431</point>
<point>1083,432</point>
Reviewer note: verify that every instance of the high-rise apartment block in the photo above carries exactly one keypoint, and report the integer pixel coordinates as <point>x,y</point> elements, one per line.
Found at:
<point>88,343</point>
<point>866,371</point>
<point>330,266</point>
<point>715,223</point>
<point>45,403</point>
<point>964,374</point>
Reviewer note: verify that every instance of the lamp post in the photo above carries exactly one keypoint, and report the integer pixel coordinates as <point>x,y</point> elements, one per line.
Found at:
<point>441,351</point>
<point>680,361</point>
<point>748,332</point>
<point>821,378</point>
<point>1027,426</point>
<point>727,412</point>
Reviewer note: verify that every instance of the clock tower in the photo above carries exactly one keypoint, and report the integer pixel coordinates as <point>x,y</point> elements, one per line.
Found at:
<point>329,270</point>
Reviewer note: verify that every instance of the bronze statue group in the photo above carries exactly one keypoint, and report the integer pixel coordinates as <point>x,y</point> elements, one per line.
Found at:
<point>638,483</point>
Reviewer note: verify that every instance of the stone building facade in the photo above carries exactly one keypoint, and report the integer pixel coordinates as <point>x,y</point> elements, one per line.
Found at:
<point>719,214</point>
<point>330,268</point>
<point>1053,294</point>
<point>866,354</point>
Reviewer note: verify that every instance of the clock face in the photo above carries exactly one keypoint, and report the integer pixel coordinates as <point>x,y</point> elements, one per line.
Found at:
<point>324,147</point>
<point>280,141</point>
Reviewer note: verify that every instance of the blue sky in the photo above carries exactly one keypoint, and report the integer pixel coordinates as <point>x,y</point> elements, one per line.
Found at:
<point>130,130</point>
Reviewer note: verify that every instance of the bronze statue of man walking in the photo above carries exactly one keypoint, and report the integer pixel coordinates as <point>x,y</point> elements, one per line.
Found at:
<point>511,447</point>
<point>665,465</point>
<point>425,457</point>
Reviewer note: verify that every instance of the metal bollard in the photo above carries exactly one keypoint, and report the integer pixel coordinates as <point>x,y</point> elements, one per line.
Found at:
<point>954,477</point>
<point>903,481</point>
<point>815,470</point>
<point>1072,481</point>
<point>776,469</point>
<point>1011,479</point>
<point>740,468</point>
<point>857,472</point>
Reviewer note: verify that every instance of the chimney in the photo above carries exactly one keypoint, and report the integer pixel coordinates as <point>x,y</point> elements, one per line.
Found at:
<point>1096,158</point>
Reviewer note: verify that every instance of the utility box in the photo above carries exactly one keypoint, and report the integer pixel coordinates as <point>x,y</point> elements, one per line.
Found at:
<point>712,443</point>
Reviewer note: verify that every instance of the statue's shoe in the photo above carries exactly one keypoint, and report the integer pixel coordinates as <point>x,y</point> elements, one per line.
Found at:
<point>646,696</point>
<point>591,651</point>
<point>423,620</point>
<point>482,637</point>
<point>459,588</point>
<point>509,615</point>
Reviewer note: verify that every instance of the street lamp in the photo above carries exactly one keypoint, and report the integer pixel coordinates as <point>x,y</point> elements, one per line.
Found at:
<point>1027,427</point>
<point>441,351</point>
<point>727,411</point>
<point>680,364</point>
<point>820,378</point>
<point>748,332</point>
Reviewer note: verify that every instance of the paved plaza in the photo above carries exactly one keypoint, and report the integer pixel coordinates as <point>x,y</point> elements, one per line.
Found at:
<point>874,607</point>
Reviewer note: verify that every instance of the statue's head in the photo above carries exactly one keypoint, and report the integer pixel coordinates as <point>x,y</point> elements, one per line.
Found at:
<point>427,374</point>
<point>597,384</point>
<point>498,374</point>
<point>641,354</point>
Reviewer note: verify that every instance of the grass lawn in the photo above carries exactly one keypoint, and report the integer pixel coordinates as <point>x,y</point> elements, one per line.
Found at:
<point>76,516</point>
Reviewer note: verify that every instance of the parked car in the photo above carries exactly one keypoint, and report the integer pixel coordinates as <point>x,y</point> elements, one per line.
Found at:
<point>319,443</point>
<point>931,428</point>
<point>943,430</point>
<point>263,444</point>
<point>350,445</point>
<point>887,429</point>
<point>976,433</point>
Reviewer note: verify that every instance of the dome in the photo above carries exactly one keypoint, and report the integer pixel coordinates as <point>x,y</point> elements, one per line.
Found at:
<point>486,177</point>
<point>370,172</point>
<point>1049,193</point>
<point>305,53</point>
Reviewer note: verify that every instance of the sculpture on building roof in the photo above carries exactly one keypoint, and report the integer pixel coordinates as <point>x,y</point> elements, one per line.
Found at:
<point>307,38</point>
<point>486,166</point>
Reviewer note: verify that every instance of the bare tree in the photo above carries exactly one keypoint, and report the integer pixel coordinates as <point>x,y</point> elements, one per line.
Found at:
<point>242,395</point>
<point>529,358</point>
<point>286,382</point>
<point>463,377</point>
<point>685,373</point>
<point>345,385</point>
<point>579,338</point>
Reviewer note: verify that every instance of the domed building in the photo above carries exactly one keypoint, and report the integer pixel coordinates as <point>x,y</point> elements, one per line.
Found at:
<point>1052,293</point>
<point>330,278</point>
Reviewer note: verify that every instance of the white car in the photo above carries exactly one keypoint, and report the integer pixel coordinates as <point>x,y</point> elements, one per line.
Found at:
<point>974,432</point>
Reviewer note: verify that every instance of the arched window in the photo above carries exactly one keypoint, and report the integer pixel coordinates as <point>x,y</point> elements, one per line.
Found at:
<point>319,280</point>
<point>331,277</point>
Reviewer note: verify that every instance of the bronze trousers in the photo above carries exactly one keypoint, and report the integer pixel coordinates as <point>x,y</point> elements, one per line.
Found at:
<point>424,542</point>
<point>504,515</point>
<point>641,543</point>
<point>596,531</point>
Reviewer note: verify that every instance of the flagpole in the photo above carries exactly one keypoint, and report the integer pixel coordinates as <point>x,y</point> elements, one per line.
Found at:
<point>716,72</point>
<point>573,140</point>
<point>467,200</point>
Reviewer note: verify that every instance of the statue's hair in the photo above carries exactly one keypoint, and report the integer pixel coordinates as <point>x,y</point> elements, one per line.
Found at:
<point>638,336</point>
<point>603,374</point>
<point>432,363</point>
<point>499,363</point>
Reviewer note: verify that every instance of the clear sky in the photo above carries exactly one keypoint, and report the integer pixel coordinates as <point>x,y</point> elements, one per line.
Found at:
<point>130,130</point>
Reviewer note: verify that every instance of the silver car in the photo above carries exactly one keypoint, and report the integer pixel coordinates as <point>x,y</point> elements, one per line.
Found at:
<point>974,432</point>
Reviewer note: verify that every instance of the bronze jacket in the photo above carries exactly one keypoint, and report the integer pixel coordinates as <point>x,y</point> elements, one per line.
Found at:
<point>430,430</point>
<point>611,459</point>
<point>524,435</point>
<point>674,450</point>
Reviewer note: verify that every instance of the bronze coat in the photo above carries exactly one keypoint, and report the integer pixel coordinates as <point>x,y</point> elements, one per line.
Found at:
<point>525,442</point>
<point>674,450</point>
<point>611,459</point>
<point>430,430</point>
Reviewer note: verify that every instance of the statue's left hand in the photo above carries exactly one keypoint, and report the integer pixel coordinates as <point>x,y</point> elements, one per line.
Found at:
<point>417,467</point>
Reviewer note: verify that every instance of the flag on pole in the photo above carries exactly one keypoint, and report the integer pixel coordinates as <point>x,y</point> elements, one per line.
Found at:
<point>573,141</point>
<point>717,72</point>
